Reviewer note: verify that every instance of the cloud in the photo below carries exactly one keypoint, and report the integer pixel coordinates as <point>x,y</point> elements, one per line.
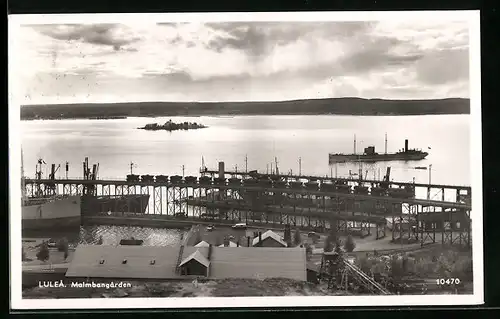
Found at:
<point>246,60</point>
<point>112,35</point>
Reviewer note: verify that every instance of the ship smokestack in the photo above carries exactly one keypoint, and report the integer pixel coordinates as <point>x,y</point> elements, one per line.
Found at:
<point>406,145</point>
<point>221,170</point>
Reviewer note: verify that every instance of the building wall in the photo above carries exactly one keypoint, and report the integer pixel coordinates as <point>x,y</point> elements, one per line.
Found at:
<point>269,242</point>
<point>193,267</point>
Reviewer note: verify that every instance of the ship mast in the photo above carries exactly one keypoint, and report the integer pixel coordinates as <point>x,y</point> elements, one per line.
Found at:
<point>354,143</point>
<point>385,142</point>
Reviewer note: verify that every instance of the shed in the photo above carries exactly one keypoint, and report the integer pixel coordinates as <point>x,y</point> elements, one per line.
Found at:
<point>195,265</point>
<point>269,239</point>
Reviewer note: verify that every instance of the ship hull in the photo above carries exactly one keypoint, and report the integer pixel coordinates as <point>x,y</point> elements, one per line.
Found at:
<point>95,205</point>
<point>52,214</point>
<point>340,158</point>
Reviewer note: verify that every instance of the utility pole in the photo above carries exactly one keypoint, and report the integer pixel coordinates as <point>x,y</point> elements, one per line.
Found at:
<point>429,188</point>
<point>430,173</point>
<point>300,166</point>
<point>131,168</point>
<point>246,163</point>
<point>182,171</point>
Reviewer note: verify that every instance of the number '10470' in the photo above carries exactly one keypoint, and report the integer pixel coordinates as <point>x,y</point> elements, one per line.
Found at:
<point>449,281</point>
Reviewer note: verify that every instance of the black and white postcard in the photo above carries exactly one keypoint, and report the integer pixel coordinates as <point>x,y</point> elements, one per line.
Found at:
<point>286,159</point>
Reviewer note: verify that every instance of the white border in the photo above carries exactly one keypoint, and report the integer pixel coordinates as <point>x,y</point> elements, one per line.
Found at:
<point>15,21</point>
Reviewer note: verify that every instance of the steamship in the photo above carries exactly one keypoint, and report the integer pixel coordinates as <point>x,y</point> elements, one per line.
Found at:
<point>45,210</point>
<point>369,155</point>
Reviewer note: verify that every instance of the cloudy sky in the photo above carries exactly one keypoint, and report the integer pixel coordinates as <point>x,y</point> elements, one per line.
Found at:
<point>242,61</point>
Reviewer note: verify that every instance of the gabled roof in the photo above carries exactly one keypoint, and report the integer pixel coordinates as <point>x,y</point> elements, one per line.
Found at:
<point>231,244</point>
<point>202,244</point>
<point>258,263</point>
<point>141,262</point>
<point>196,256</point>
<point>269,234</point>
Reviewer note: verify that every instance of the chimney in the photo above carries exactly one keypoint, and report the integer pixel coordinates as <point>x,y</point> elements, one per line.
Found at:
<point>209,252</point>
<point>238,243</point>
<point>226,242</point>
<point>221,170</point>
<point>406,145</point>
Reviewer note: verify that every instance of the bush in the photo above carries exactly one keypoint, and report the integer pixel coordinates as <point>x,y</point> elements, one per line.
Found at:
<point>43,253</point>
<point>297,239</point>
<point>349,244</point>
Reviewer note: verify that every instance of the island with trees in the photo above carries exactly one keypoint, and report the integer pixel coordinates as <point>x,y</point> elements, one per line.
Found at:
<point>171,126</point>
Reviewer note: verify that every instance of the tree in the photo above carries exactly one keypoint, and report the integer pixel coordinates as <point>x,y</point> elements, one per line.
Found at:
<point>62,244</point>
<point>297,238</point>
<point>43,253</point>
<point>349,244</point>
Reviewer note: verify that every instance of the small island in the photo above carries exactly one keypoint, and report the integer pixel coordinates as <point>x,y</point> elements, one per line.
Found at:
<point>171,126</point>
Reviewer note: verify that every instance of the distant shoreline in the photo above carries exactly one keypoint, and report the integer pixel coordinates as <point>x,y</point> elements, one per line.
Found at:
<point>342,106</point>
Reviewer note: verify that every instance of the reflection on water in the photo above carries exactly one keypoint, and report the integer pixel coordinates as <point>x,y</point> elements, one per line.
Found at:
<point>111,235</point>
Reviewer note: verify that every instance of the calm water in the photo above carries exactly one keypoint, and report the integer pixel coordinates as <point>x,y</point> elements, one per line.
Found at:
<point>111,235</point>
<point>114,144</point>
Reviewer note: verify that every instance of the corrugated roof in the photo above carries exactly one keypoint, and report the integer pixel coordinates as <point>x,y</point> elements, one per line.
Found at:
<point>258,263</point>
<point>202,244</point>
<point>269,234</point>
<point>196,256</point>
<point>86,262</point>
<point>225,262</point>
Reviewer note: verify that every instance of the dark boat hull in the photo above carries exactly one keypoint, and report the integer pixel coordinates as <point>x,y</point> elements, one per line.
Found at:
<point>52,223</point>
<point>340,158</point>
<point>95,205</point>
